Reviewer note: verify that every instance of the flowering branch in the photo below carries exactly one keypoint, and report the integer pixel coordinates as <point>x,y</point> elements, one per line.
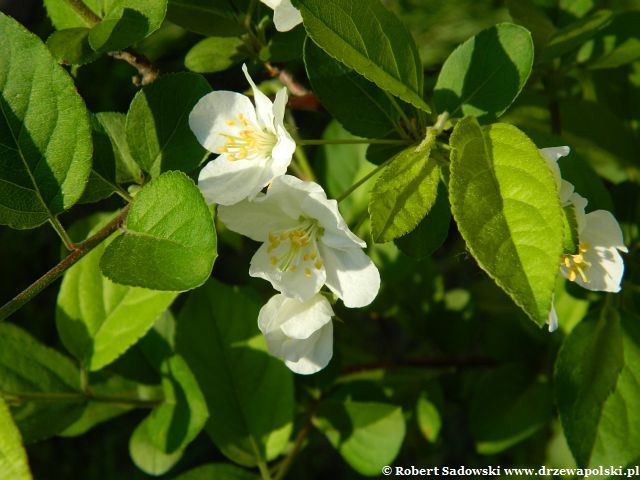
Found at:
<point>78,251</point>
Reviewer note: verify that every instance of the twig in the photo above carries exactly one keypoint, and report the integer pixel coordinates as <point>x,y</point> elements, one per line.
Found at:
<point>85,12</point>
<point>79,251</point>
<point>147,72</point>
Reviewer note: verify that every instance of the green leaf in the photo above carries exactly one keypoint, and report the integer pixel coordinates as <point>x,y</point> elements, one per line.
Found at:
<point>367,435</point>
<point>369,39</point>
<point>508,405</point>
<point>429,412</point>
<point>616,44</point>
<point>432,230</point>
<point>45,137</point>
<point>570,237</point>
<point>215,54</point>
<point>149,458</point>
<point>125,22</point>
<point>112,124</point>
<point>248,392</point>
<point>64,16</point>
<point>13,458</point>
<point>217,471</point>
<point>359,105</point>
<point>575,34</point>
<point>596,388</point>
<point>71,46</point>
<point>404,193</point>
<point>29,370</point>
<point>158,130</point>
<point>506,204</point>
<point>485,74</point>
<point>206,17</point>
<point>169,241</point>
<point>284,46</point>
<point>177,421</point>
<point>534,19</point>
<point>98,320</point>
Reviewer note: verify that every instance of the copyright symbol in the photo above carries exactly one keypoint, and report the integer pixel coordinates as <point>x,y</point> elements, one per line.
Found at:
<point>387,470</point>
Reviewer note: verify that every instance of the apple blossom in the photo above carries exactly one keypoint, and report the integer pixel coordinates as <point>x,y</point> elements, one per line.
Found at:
<point>285,15</point>
<point>298,332</point>
<point>253,145</point>
<point>306,243</point>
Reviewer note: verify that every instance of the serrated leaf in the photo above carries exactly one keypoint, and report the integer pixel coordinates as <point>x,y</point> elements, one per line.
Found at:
<point>98,320</point>
<point>175,423</point>
<point>506,204</point>
<point>358,104</point>
<point>125,22</point>
<point>248,392</point>
<point>169,241</point>
<point>13,458</point>
<point>45,137</point>
<point>158,132</point>
<point>596,388</point>
<point>485,74</point>
<point>404,193</point>
<point>28,367</point>
<point>71,46</point>
<point>217,471</point>
<point>432,230</point>
<point>367,435</point>
<point>508,406</point>
<point>369,39</point>
<point>215,54</point>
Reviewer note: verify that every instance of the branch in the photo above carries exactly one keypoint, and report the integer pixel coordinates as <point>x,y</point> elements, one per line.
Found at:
<point>147,72</point>
<point>79,251</point>
<point>85,12</point>
<point>435,362</point>
<point>20,397</point>
<point>302,98</point>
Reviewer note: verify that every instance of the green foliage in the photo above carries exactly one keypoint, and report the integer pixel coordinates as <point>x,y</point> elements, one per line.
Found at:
<point>575,34</point>
<point>71,46</point>
<point>219,471</point>
<point>169,239</point>
<point>45,143</point>
<point>215,54</point>
<point>157,126</point>
<point>616,44</point>
<point>359,105</point>
<point>29,370</point>
<point>206,17</point>
<point>248,392</point>
<point>404,193</point>
<point>349,31</point>
<point>429,413</point>
<point>13,459</point>
<point>367,435</point>
<point>485,74</point>
<point>515,234</point>
<point>595,387</point>
<point>98,320</point>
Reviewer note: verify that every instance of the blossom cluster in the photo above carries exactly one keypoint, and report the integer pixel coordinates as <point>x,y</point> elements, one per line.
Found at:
<point>306,244</point>
<point>597,264</point>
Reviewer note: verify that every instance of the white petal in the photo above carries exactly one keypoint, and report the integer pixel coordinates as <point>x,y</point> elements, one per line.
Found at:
<point>603,230</point>
<point>605,272</point>
<point>255,219</point>
<point>292,284</point>
<point>351,275</point>
<point>579,203</point>
<point>305,318</point>
<point>552,321</point>
<point>226,182</point>
<point>286,16</point>
<point>288,193</point>
<point>264,107</point>
<point>272,3</point>
<point>336,231</point>
<point>284,149</point>
<point>566,191</point>
<point>551,156</point>
<point>279,107</point>
<point>209,118</point>
<point>317,356</point>
<point>269,319</point>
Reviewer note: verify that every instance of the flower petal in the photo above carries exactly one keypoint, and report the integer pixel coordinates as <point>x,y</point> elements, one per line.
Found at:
<point>255,219</point>
<point>336,231</point>
<point>284,149</point>
<point>605,272</point>
<point>264,107</point>
<point>551,156</point>
<point>603,230</point>
<point>226,182</point>
<point>286,16</point>
<point>579,204</point>
<point>209,119</point>
<point>318,355</point>
<point>351,275</point>
<point>552,321</point>
<point>305,318</point>
<point>296,284</point>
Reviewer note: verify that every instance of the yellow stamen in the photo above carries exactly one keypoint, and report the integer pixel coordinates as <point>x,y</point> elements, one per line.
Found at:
<point>576,264</point>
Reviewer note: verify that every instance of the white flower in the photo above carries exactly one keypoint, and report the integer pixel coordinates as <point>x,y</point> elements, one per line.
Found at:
<point>551,156</point>
<point>253,144</point>
<point>285,15</point>
<point>300,333</point>
<point>306,245</point>
<point>597,265</point>
<point>552,321</point>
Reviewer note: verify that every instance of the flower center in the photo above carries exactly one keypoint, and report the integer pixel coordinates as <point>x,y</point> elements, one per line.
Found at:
<point>249,142</point>
<point>296,248</point>
<point>576,264</point>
